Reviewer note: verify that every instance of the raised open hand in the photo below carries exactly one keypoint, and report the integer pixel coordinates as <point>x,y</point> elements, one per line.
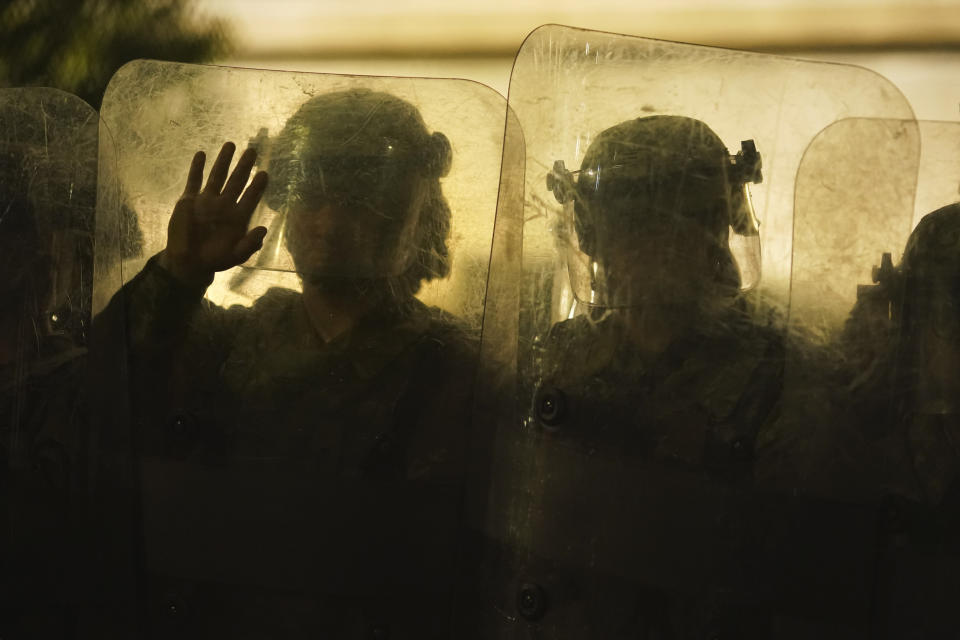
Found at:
<point>208,229</point>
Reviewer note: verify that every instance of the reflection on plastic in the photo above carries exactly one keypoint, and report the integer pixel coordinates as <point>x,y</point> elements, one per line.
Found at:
<point>190,107</point>
<point>48,190</point>
<point>302,456</point>
<point>636,389</point>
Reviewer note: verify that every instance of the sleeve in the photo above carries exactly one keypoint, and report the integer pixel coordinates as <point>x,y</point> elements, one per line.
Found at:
<point>158,310</point>
<point>175,343</point>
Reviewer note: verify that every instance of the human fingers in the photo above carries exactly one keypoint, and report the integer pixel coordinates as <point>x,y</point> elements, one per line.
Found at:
<point>249,244</point>
<point>195,174</point>
<point>218,173</point>
<point>238,179</point>
<point>251,197</point>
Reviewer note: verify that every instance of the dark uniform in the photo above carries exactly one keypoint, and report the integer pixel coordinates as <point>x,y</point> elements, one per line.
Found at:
<point>625,499</point>
<point>240,369</point>
<point>887,386</point>
<point>46,219</point>
<point>906,416</point>
<point>926,393</point>
<point>700,403</point>
<point>293,486</point>
<point>42,412</point>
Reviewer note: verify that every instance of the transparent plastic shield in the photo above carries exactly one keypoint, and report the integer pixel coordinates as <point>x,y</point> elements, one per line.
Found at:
<point>620,497</point>
<point>855,192</point>
<point>302,432</point>
<point>872,367</point>
<point>570,85</point>
<point>930,271</point>
<point>371,177</point>
<point>658,202</point>
<point>920,400</point>
<point>48,189</point>
<point>49,153</point>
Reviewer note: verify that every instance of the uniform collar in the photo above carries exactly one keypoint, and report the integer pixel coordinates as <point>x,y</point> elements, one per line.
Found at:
<point>378,337</point>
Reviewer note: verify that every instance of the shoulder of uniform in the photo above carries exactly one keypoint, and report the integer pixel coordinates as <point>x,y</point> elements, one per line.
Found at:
<point>450,334</point>
<point>274,300</point>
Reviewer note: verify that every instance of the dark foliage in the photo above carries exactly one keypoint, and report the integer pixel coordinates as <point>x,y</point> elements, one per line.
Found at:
<point>77,45</point>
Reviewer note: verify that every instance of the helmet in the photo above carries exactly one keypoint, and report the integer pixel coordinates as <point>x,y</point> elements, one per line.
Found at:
<point>673,164</point>
<point>933,248</point>
<point>930,316</point>
<point>357,174</point>
<point>657,175</point>
<point>930,275</point>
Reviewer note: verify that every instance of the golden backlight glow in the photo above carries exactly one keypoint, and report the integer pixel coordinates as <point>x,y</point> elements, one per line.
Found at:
<point>417,27</point>
<point>911,43</point>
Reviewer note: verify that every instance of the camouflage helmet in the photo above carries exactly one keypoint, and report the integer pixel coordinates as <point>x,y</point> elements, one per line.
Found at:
<point>671,164</point>
<point>934,246</point>
<point>371,153</point>
<point>930,273</point>
<point>337,143</point>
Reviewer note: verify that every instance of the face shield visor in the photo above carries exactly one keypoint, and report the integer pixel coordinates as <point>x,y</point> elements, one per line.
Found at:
<point>644,224</point>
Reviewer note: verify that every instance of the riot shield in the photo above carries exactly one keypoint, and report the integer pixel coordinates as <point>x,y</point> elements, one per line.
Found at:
<point>302,424</point>
<point>641,353</point>
<point>872,369</point>
<point>855,194</point>
<point>48,189</point>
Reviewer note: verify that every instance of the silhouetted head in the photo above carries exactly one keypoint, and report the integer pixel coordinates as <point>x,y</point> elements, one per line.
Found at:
<point>655,201</point>
<point>357,174</point>
<point>24,258</point>
<point>930,331</point>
